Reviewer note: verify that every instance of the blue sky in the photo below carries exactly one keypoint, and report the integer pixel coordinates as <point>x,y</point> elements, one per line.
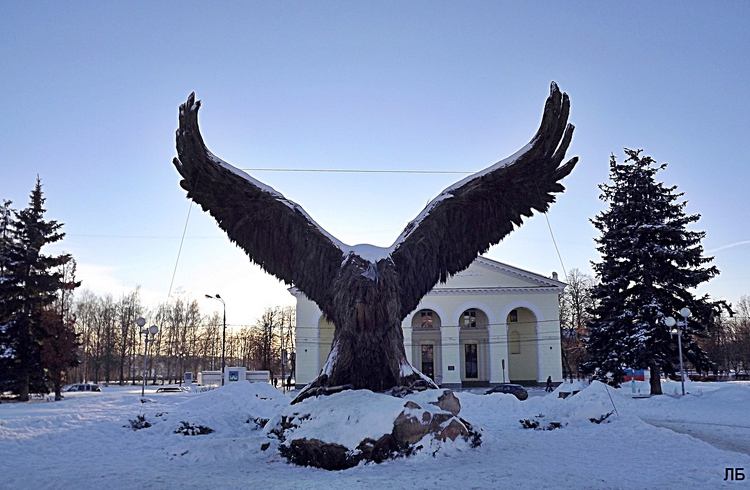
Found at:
<point>91,90</point>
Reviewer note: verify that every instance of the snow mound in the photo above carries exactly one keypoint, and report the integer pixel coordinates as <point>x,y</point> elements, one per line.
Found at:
<point>593,402</point>
<point>590,402</point>
<point>367,415</point>
<point>475,407</point>
<point>731,395</point>
<point>569,387</point>
<point>228,410</point>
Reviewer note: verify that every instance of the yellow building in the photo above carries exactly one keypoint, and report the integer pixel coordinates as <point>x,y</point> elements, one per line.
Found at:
<point>489,324</point>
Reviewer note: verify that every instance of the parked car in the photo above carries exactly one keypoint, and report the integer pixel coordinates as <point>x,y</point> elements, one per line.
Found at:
<point>86,387</point>
<point>171,389</point>
<point>510,389</point>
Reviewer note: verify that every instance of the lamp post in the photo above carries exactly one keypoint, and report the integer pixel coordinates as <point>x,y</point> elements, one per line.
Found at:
<point>671,322</point>
<point>181,356</point>
<point>223,333</point>
<point>152,330</point>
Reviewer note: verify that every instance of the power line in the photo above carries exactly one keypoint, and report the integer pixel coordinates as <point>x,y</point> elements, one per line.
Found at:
<point>142,237</point>
<point>451,342</point>
<point>357,171</point>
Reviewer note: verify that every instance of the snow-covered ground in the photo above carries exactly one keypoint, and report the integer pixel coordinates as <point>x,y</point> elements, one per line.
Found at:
<point>85,441</point>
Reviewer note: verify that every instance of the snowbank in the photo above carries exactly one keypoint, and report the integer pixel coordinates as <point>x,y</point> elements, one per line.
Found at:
<point>224,409</point>
<point>81,442</point>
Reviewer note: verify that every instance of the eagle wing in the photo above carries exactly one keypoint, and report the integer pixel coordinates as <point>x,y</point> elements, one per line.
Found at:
<point>479,211</point>
<point>276,233</point>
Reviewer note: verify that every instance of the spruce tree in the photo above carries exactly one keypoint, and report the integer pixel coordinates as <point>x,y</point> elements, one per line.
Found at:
<point>650,264</point>
<point>30,283</point>
<point>6,214</point>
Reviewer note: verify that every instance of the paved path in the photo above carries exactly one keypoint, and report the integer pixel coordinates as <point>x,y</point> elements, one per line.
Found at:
<point>727,437</point>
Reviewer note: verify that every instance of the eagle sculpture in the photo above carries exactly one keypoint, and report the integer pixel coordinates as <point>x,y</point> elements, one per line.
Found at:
<point>367,291</point>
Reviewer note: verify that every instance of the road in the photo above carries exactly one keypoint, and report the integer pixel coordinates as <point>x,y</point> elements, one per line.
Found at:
<point>727,437</point>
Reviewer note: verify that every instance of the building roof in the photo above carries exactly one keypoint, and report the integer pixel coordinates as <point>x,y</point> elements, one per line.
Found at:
<point>525,282</point>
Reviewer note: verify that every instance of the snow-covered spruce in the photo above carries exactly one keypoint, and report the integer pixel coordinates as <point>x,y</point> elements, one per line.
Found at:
<point>138,423</point>
<point>188,429</point>
<point>651,264</point>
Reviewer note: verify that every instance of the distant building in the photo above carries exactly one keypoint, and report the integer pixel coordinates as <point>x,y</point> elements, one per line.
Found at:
<point>489,324</point>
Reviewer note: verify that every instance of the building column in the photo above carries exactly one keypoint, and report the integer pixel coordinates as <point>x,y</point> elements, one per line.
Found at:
<point>408,342</point>
<point>307,347</point>
<point>451,356</point>
<point>498,338</point>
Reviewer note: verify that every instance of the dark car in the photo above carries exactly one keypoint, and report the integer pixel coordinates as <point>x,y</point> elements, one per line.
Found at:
<point>85,387</point>
<point>510,389</point>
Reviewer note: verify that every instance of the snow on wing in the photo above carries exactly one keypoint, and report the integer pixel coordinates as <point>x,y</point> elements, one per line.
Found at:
<point>479,211</point>
<point>276,233</point>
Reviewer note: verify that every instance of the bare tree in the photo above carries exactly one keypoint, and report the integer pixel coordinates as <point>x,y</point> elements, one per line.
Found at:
<point>209,342</point>
<point>85,312</point>
<point>268,339</point>
<point>740,342</point>
<point>60,345</point>
<point>111,343</point>
<point>128,310</point>
<point>108,336</point>
<point>575,303</point>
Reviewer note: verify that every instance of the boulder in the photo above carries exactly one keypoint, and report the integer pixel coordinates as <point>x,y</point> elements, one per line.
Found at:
<point>448,402</point>
<point>454,429</point>
<point>409,429</point>
<point>342,430</point>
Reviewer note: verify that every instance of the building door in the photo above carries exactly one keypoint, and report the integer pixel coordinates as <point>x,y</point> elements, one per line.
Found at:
<point>428,360</point>
<point>471,361</point>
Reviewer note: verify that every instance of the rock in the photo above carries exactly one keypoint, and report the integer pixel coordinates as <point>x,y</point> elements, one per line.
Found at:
<point>452,431</point>
<point>380,450</point>
<point>408,429</point>
<point>438,420</point>
<point>448,402</point>
<point>314,452</point>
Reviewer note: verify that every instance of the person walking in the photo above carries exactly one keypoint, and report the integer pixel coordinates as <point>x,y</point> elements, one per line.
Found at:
<point>549,385</point>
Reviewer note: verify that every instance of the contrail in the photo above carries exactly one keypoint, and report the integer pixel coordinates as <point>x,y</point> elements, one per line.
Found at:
<point>724,247</point>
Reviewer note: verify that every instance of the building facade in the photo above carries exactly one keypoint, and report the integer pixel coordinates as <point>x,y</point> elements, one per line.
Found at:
<point>491,323</point>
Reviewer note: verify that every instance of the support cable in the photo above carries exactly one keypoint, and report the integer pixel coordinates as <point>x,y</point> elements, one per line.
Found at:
<point>182,240</point>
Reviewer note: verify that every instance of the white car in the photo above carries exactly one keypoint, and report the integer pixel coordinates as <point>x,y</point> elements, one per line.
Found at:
<point>86,387</point>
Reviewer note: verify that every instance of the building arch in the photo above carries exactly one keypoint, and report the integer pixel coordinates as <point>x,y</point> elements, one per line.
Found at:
<point>426,340</point>
<point>473,323</point>
<point>426,306</point>
<point>523,345</point>
<point>491,319</point>
<point>522,304</point>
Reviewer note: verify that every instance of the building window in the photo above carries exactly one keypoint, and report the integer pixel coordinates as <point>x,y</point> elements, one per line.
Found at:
<point>425,319</point>
<point>470,318</point>
<point>514,342</point>
<point>470,361</point>
<point>513,316</point>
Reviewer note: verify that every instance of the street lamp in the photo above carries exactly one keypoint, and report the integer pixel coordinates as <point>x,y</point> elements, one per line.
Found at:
<point>671,322</point>
<point>152,330</point>
<point>223,333</point>
<point>181,357</point>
